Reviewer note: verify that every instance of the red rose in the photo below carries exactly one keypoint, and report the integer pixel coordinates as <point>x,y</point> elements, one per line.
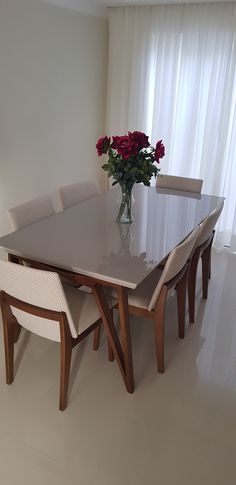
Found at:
<point>126,146</point>
<point>115,142</point>
<point>160,150</point>
<point>140,139</point>
<point>103,145</point>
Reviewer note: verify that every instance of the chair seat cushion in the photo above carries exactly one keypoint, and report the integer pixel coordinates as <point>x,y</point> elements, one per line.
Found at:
<point>83,307</point>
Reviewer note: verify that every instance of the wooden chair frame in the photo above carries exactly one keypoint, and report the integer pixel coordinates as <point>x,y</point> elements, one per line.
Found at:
<point>122,353</point>
<point>12,329</point>
<point>157,315</point>
<point>203,251</point>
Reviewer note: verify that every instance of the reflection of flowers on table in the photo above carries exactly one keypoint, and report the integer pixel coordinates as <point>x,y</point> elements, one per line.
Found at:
<point>124,262</point>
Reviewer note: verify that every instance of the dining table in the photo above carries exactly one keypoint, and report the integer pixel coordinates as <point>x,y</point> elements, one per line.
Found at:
<point>86,243</point>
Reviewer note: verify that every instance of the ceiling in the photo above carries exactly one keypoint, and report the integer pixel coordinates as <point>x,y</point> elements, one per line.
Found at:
<point>116,3</point>
<point>99,7</point>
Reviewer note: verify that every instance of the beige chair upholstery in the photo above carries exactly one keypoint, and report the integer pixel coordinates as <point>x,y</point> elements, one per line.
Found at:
<point>78,192</point>
<point>70,314</point>
<point>175,263</point>
<point>148,300</point>
<point>202,249</point>
<point>209,224</point>
<point>29,212</point>
<point>179,183</point>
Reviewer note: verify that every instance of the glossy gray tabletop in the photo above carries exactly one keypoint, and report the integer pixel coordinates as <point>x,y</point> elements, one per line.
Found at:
<point>86,238</point>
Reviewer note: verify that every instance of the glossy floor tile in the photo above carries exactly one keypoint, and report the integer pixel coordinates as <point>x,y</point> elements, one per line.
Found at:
<point>177,428</point>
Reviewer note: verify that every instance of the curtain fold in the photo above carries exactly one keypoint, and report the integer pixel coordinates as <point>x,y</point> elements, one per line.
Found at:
<point>172,74</point>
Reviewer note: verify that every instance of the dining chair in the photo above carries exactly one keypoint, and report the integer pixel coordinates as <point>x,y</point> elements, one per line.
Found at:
<point>149,299</point>
<point>37,300</point>
<point>78,192</point>
<point>32,211</point>
<point>179,183</point>
<point>28,213</point>
<point>203,248</point>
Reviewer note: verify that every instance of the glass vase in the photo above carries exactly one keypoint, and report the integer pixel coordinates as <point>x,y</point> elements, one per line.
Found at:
<point>125,211</point>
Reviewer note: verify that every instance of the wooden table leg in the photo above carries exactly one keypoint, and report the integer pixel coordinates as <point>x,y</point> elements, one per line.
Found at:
<point>107,318</point>
<point>122,296</point>
<point>122,352</point>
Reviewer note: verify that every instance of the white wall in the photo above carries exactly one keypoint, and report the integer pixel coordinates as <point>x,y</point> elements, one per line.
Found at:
<point>53,70</point>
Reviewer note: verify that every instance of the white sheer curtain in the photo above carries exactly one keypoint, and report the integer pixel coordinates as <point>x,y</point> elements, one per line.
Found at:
<point>172,74</point>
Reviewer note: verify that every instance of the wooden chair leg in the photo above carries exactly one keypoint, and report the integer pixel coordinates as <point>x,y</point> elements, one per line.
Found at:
<point>11,330</point>
<point>159,317</point>
<point>181,288</point>
<point>96,337</point>
<point>192,277</point>
<point>66,352</point>
<point>206,258</point>
<point>209,273</point>
<point>111,356</point>
<point>16,329</point>
<point>9,352</point>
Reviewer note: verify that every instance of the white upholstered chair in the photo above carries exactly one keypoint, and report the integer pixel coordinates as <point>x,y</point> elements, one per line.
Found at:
<point>31,211</point>
<point>148,300</point>
<point>37,300</point>
<point>78,192</point>
<point>202,249</point>
<point>179,183</point>
<point>28,213</point>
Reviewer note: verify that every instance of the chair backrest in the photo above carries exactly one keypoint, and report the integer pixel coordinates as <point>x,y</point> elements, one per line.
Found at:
<point>40,288</point>
<point>78,192</point>
<point>31,211</point>
<point>209,224</point>
<point>179,183</point>
<point>175,263</point>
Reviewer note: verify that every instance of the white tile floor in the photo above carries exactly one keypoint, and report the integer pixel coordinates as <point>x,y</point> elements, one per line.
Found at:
<point>178,428</point>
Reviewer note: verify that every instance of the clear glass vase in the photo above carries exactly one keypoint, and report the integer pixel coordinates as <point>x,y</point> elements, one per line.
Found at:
<point>125,211</point>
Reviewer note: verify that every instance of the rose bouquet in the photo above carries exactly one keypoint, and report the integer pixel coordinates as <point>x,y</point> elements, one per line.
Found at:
<point>131,159</point>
